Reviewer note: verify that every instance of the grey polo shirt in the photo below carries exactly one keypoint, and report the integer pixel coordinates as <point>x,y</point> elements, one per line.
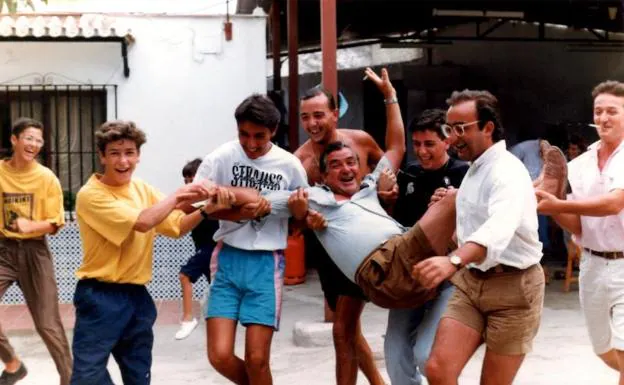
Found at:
<point>356,227</point>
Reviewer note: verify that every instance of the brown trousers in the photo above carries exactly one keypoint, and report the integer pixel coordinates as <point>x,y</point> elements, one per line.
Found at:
<point>29,263</point>
<point>385,276</point>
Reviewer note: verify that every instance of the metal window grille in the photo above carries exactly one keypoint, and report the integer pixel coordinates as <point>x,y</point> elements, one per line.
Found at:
<point>70,115</point>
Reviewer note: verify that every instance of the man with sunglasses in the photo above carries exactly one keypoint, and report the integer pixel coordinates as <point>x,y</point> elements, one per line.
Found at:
<point>410,331</point>
<point>499,282</point>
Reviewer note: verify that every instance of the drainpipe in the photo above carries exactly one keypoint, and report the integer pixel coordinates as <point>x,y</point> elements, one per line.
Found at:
<point>293,74</point>
<point>276,42</point>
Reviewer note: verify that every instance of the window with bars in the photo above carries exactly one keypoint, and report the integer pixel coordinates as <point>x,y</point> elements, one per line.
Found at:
<point>70,115</point>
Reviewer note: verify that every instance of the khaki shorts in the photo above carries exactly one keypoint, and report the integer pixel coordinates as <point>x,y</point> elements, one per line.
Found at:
<point>504,307</point>
<point>385,276</point>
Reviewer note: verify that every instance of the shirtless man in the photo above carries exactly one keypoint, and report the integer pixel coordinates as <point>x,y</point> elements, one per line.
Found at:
<point>319,117</point>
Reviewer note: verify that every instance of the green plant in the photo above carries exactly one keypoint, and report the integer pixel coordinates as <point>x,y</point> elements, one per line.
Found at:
<point>11,5</point>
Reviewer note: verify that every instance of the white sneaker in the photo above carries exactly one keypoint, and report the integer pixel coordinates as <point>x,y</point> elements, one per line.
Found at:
<point>186,328</point>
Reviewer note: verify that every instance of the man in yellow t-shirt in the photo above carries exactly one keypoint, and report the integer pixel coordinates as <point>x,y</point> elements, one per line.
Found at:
<point>31,206</point>
<point>119,217</point>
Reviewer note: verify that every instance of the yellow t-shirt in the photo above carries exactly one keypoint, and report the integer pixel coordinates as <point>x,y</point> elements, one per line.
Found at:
<point>34,193</point>
<point>113,250</point>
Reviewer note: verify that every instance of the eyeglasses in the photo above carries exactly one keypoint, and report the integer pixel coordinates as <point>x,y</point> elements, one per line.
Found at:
<point>459,128</point>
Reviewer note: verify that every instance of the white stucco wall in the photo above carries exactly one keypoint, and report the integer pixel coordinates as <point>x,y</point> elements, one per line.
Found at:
<point>184,85</point>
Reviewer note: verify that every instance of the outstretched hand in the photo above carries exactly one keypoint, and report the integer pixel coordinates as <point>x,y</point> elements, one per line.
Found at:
<point>23,225</point>
<point>193,192</point>
<point>298,204</point>
<point>440,193</point>
<point>432,271</point>
<point>315,220</point>
<point>547,203</point>
<point>256,209</point>
<point>383,83</point>
<point>222,199</point>
<point>387,180</point>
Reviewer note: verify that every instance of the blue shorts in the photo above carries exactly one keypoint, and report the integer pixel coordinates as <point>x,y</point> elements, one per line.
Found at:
<point>198,264</point>
<point>246,285</point>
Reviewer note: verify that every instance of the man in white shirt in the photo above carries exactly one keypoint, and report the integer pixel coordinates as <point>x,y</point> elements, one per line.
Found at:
<point>594,213</point>
<point>500,293</point>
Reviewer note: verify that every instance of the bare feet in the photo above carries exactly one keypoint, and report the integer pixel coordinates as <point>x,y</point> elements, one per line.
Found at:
<point>554,175</point>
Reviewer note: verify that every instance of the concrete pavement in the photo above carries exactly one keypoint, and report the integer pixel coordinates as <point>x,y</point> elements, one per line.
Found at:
<point>562,353</point>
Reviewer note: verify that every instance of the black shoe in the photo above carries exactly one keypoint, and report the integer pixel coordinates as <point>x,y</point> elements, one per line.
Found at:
<point>12,378</point>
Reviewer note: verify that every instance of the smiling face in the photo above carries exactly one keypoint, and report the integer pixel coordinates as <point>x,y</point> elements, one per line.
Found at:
<point>342,173</point>
<point>255,139</point>
<point>474,141</point>
<point>119,160</point>
<point>430,149</point>
<point>609,117</point>
<point>317,119</point>
<point>27,144</point>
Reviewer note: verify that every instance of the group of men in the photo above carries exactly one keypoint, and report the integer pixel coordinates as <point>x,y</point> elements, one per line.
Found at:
<point>450,246</point>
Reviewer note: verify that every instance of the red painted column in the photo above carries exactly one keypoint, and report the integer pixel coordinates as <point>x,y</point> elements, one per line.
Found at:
<point>329,45</point>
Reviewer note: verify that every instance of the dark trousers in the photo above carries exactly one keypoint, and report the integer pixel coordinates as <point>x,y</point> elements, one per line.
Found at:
<point>112,319</point>
<point>29,263</point>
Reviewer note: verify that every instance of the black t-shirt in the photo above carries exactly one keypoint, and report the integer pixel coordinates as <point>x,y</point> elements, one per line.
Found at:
<point>203,232</point>
<point>416,186</point>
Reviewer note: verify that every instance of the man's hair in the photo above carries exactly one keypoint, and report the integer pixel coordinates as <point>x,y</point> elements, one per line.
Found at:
<point>115,130</point>
<point>320,90</point>
<point>612,87</point>
<point>333,147</point>
<point>429,120</point>
<point>578,141</point>
<point>21,124</point>
<point>258,109</point>
<point>487,109</point>
<point>190,168</point>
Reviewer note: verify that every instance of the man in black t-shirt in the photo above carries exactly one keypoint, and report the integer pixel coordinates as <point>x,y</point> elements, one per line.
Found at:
<point>410,332</point>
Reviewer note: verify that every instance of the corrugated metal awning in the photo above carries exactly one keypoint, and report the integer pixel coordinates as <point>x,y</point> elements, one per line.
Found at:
<point>68,26</point>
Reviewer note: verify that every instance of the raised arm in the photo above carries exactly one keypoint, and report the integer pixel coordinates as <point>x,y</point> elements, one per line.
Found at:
<point>395,131</point>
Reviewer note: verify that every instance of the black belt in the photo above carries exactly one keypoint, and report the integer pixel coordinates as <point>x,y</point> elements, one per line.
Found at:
<point>605,254</point>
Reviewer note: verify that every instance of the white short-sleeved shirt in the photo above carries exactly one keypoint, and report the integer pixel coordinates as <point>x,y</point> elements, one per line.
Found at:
<point>587,181</point>
<point>277,170</point>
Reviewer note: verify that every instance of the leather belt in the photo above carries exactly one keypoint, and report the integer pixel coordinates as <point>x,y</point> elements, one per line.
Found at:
<point>498,269</point>
<point>605,254</point>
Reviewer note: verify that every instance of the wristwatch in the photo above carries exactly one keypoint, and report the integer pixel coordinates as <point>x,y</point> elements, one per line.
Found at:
<point>456,261</point>
<point>391,100</point>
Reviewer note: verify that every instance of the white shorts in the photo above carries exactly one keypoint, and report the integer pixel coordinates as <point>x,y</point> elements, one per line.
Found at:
<point>601,293</point>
